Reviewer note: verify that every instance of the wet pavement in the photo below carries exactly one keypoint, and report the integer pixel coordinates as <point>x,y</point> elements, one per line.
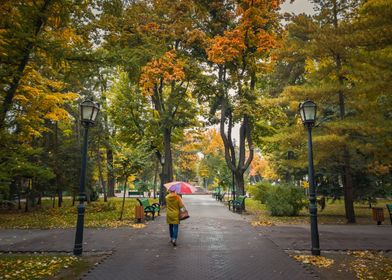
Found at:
<point>213,244</point>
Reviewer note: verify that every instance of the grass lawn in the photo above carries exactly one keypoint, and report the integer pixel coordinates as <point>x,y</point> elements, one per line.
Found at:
<point>98,214</point>
<point>44,266</point>
<point>332,214</point>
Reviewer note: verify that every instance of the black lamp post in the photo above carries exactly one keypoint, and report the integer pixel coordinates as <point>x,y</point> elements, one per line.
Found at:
<point>89,111</point>
<point>307,111</point>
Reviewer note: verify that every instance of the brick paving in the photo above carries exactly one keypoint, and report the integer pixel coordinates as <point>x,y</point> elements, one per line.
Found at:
<point>213,244</point>
<point>332,237</point>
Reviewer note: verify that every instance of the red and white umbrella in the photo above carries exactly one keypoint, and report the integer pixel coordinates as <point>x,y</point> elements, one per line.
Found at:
<point>180,187</point>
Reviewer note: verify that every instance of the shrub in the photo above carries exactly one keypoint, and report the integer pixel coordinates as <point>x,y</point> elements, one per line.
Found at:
<point>284,200</point>
<point>260,191</point>
<point>102,206</point>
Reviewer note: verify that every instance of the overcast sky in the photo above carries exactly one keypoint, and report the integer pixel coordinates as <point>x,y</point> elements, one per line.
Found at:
<point>299,6</point>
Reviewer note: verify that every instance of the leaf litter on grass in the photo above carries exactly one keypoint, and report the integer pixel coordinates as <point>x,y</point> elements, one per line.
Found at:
<point>33,267</point>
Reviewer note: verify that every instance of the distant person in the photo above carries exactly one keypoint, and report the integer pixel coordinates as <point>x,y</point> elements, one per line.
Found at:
<point>173,205</point>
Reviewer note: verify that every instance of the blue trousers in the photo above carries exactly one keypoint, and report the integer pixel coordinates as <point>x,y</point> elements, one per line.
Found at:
<point>173,231</point>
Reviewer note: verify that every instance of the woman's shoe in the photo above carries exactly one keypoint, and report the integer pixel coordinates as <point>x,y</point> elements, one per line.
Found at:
<point>174,242</point>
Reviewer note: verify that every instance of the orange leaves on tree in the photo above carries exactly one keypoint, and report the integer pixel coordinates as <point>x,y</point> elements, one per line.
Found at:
<point>262,167</point>
<point>253,34</point>
<point>226,48</point>
<point>163,71</point>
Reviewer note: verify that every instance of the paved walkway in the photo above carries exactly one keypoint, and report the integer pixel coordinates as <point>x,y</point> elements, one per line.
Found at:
<point>213,244</point>
<point>332,237</point>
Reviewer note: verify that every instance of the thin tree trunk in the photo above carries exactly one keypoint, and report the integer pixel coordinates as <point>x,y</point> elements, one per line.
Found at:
<point>110,173</point>
<point>346,168</point>
<point>27,203</point>
<point>348,188</point>
<point>60,201</point>
<point>73,198</point>
<point>18,193</point>
<point>156,178</point>
<point>39,202</point>
<point>101,181</point>
<point>123,202</point>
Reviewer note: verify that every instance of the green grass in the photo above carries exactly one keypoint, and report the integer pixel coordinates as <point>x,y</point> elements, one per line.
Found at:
<point>332,214</point>
<point>98,214</point>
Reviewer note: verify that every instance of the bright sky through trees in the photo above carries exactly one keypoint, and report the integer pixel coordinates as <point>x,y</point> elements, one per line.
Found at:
<point>299,6</point>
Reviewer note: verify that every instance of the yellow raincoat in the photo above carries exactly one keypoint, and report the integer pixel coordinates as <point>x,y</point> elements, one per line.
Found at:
<point>173,205</point>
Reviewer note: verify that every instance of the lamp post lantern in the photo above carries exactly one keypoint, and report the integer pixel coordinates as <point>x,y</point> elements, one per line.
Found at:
<point>307,111</point>
<point>89,111</point>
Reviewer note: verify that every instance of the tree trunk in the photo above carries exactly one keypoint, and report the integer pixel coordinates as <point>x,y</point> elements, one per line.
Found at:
<point>110,173</point>
<point>73,198</point>
<point>156,178</point>
<point>348,188</point>
<point>238,167</point>
<point>27,203</point>
<point>167,168</point>
<point>123,202</point>
<point>39,202</point>
<point>346,168</point>
<point>102,183</point>
<point>60,201</point>
<point>18,193</point>
<point>240,183</point>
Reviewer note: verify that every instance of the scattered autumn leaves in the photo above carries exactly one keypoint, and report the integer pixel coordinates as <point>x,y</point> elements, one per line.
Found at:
<point>33,266</point>
<point>98,214</point>
<point>318,261</point>
<point>362,264</point>
<point>371,265</point>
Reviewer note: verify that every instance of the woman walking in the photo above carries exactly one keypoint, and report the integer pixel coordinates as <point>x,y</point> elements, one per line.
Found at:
<point>173,205</point>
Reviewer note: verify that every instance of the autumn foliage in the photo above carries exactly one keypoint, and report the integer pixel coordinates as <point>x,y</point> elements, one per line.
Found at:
<point>160,72</point>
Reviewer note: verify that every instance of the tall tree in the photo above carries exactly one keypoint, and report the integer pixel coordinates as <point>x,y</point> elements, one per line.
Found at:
<point>240,54</point>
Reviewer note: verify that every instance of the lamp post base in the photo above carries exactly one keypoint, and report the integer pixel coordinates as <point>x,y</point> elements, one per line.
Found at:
<point>316,251</point>
<point>78,248</point>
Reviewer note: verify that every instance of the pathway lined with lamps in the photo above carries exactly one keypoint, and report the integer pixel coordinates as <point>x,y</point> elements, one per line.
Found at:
<point>213,242</point>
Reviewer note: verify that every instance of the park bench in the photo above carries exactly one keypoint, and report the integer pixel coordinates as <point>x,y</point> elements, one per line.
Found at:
<point>237,204</point>
<point>216,193</point>
<point>389,207</point>
<point>135,193</point>
<point>149,208</point>
<point>220,196</point>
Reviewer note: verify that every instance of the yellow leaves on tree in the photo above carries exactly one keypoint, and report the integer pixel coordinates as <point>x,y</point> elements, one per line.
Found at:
<point>213,143</point>
<point>37,99</point>
<point>162,71</point>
